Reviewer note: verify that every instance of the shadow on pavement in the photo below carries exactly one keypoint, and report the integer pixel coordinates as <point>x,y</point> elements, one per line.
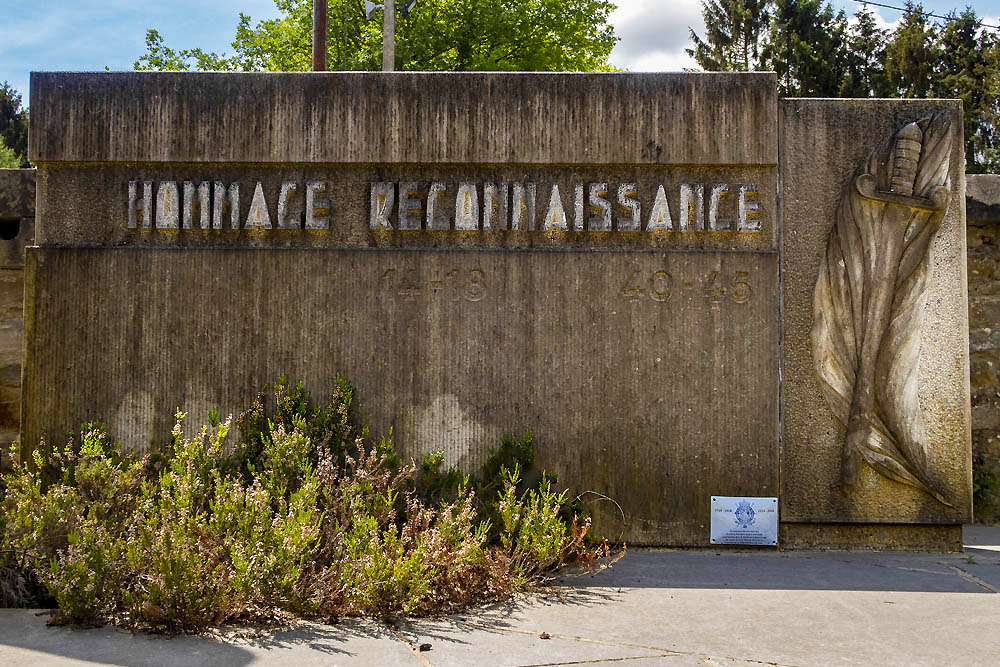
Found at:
<point>28,633</point>
<point>839,571</point>
<point>25,638</point>
<point>24,633</point>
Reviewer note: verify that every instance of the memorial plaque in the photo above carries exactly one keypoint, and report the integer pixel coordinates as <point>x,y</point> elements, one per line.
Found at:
<point>749,521</point>
<point>597,257</point>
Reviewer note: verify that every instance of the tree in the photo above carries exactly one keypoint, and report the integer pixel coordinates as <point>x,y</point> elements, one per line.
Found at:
<point>512,35</point>
<point>865,58</point>
<point>734,35</point>
<point>816,53</point>
<point>8,158</point>
<point>968,68</point>
<point>911,55</point>
<point>806,46</point>
<point>13,123</point>
<point>160,58</point>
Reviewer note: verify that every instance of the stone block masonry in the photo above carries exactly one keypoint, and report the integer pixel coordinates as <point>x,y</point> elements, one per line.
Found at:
<point>983,214</point>
<point>622,262</point>
<point>17,230</point>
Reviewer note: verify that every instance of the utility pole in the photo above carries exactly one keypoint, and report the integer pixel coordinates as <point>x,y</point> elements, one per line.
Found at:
<point>319,35</point>
<point>389,36</point>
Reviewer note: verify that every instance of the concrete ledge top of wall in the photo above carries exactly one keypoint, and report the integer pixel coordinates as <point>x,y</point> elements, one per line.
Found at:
<point>982,197</point>
<point>403,117</point>
<point>17,193</point>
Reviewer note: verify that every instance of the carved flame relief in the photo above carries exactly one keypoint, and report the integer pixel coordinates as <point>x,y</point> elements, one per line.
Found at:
<point>869,301</point>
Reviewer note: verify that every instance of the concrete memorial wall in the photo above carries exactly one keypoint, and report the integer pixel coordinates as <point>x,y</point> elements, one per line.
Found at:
<point>897,471</point>
<point>639,267</point>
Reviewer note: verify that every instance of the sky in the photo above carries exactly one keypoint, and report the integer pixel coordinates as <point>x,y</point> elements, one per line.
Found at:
<point>89,35</point>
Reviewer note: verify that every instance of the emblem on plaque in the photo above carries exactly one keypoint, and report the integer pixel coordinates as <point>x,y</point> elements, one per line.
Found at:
<point>869,301</point>
<point>744,514</point>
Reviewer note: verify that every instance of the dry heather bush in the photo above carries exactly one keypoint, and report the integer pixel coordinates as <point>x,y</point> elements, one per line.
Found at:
<point>305,516</point>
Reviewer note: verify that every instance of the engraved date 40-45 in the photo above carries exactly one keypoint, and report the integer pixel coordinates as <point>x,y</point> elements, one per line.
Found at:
<point>714,287</point>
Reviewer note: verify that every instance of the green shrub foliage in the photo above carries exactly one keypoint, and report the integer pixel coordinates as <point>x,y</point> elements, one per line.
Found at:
<point>303,515</point>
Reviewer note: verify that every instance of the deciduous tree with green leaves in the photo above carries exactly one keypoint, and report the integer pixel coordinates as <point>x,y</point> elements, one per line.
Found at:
<point>13,126</point>
<point>8,158</point>
<point>449,35</point>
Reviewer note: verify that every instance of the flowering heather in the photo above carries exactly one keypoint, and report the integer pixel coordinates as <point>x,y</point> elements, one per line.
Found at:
<point>304,515</point>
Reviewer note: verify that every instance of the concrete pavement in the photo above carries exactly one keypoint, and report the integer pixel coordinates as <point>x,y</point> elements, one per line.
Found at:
<point>653,609</point>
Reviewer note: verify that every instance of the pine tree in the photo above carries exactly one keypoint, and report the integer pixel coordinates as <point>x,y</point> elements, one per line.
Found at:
<point>912,54</point>
<point>865,58</point>
<point>807,48</point>
<point>734,35</point>
<point>968,70</point>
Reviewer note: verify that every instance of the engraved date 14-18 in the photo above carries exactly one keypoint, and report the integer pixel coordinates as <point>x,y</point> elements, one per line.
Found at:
<point>455,285</point>
<point>714,287</point>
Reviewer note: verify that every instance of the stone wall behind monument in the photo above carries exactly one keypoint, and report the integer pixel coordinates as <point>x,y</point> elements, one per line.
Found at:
<point>983,213</point>
<point>622,263</point>
<point>17,230</point>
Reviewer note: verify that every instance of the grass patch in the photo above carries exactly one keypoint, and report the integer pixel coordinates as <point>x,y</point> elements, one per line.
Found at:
<point>305,515</point>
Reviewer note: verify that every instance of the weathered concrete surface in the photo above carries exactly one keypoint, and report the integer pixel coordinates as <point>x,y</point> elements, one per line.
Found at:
<point>658,398</point>
<point>982,198</point>
<point>17,230</point>
<point>822,144</point>
<point>646,362</point>
<point>654,608</point>
<point>17,216</point>
<point>982,205</point>
<point>872,536</point>
<point>418,118</point>
<point>17,193</point>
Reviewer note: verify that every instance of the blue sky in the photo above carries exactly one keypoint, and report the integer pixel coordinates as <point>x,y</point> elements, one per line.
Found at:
<point>91,34</point>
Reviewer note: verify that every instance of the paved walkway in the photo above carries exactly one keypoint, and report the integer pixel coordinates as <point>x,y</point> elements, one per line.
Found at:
<point>653,609</point>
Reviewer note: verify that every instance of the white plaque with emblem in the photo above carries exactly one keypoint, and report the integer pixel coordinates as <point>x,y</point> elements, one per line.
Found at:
<point>737,520</point>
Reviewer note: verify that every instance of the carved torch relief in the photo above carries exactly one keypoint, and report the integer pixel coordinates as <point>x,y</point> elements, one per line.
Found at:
<point>869,301</point>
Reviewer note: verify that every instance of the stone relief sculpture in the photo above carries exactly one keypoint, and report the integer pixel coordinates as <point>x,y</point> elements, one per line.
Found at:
<point>869,301</point>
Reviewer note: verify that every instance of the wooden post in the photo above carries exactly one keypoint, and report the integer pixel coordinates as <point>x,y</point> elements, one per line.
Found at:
<point>319,35</point>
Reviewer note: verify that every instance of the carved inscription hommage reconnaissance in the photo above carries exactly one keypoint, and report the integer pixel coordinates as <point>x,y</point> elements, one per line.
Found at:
<point>869,302</point>
<point>593,206</point>
<point>215,205</point>
<point>442,205</point>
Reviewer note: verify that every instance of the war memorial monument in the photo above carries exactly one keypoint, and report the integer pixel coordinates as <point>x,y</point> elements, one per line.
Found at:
<point>687,287</point>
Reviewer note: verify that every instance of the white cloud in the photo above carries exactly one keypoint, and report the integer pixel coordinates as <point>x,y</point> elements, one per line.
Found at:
<point>654,34</point>
<point>880,21</point>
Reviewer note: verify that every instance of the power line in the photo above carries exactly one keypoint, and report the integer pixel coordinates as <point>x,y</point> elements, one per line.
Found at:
<point>937,16</point>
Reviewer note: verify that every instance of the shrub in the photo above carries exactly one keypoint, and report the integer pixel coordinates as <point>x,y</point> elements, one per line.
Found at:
<point>305,515</point>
